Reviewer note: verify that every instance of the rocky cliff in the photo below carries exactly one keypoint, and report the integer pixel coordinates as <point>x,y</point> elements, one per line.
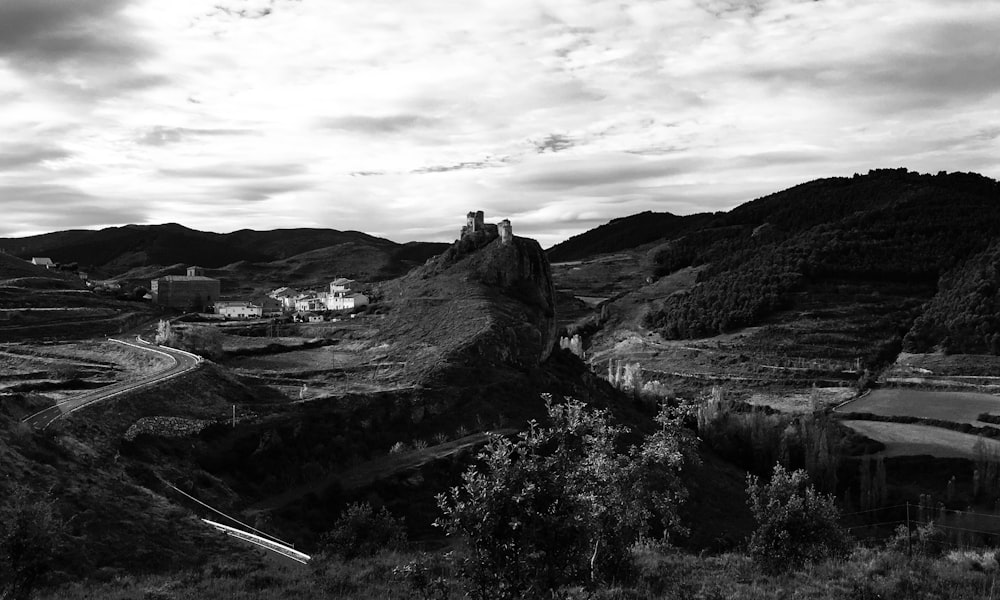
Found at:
<point>481,304</point>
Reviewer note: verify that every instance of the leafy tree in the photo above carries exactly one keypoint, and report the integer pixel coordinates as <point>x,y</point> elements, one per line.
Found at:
<point>795,523</point>
<point>562,504</point>
<point>30,534</point>
<point>361,531</point>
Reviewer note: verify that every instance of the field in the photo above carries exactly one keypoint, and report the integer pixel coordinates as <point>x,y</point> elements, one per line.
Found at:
<point>902,439</point>
<point>802,401</point>
<point>956,407</point>
<point>55,369</point>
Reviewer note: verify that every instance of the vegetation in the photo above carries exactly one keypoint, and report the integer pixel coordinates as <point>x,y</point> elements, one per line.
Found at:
<point>361,531</point>
<point>964,317</point>
<point>623,233</point>
<point>796,525</point>
<point>886,226</point>
<point>31,532</point>
<point>562,505</point>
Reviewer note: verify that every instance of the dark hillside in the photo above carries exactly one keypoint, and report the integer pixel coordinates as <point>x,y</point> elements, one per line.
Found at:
<point>887,226</point>
<point>624,233</point>
<point>964,317</point>
<point>117,250</point>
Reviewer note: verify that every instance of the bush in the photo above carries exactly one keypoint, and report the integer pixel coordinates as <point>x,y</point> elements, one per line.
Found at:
<point>30,535</point>
<point>562,504</point>
<point>360,531</point>
<point>795,523</point>
<point>925,539</point>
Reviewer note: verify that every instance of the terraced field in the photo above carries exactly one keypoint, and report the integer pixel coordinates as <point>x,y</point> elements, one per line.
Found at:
<point>956,407</point>
<point>902,439</point>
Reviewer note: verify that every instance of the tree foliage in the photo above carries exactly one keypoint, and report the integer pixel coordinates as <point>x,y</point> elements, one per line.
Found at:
<point>361,531</point>
<point>796,524</point>
<point>30,535</point>
<point>890,225</point>
<point>563,503</point>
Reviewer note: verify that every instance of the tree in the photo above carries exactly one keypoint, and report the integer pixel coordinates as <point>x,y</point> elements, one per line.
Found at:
<point>30,532</point>
<point>562,504</point>
<point>795,523</point>
<point>360,531</point>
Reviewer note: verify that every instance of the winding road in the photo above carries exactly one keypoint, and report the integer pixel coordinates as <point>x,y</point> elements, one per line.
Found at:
<point>182,363</point>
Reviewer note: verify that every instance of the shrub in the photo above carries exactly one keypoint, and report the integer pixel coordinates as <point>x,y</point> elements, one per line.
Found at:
<point>925,539</point>
<point>360,531</point>
<point>795,523</point>
<point>562,504</point>
<point>30,534</point>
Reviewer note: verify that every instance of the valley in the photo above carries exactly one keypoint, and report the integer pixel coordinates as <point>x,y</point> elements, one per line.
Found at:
<point>777,344</point>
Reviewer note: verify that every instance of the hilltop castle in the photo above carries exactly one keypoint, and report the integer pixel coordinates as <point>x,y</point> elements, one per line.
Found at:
<point>476,227</point>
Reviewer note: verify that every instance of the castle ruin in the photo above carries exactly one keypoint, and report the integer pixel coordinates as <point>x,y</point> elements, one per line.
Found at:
<point>476,227</point>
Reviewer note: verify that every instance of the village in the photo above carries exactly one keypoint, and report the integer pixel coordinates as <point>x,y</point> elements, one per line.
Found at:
<point>199,293</point>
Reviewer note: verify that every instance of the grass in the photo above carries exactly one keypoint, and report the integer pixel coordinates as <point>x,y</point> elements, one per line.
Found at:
<point>957,407</point>
<point>903,439</point>
<point>659,574</point>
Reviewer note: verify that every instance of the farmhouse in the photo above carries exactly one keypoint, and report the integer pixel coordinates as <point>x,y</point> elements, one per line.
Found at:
<point>238,310</point>
<point>342,298</point>
<point>193,291</point>
<point>42,262</point>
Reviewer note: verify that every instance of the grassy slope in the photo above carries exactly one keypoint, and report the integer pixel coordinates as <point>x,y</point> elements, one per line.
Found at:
<point>660,576</point>
<point>904,439</point>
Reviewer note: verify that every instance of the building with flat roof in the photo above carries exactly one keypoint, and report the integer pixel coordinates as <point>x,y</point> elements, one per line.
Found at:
<point>193,291</point>
<point>239,309</point>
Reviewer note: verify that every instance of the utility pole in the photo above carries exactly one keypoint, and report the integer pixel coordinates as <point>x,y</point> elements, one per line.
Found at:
<point>234,416</point>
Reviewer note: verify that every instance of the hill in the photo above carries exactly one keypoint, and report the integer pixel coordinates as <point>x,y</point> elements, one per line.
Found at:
<point>115,251</point>
<point>624,233</point>
<point>834,246</point>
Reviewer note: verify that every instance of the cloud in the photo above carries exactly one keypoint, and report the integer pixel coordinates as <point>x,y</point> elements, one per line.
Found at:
<point>235,171</point>
<point>384,124</point>
<point>28,155</point>
<point>599,171</point>
<point>162,136</point>
<point>86,46</point>
<point>37,208</point>
<point>398,118</point>
<point>554,142</point>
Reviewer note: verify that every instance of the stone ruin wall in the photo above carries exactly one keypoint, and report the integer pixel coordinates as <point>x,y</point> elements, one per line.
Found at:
<point>475,225</point>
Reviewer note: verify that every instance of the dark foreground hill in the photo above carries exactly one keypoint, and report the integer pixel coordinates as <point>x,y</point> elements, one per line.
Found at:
<point>890,233</point>
<point>115,251</point>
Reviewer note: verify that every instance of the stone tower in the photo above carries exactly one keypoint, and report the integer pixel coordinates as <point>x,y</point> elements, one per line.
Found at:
<point>506,233</point>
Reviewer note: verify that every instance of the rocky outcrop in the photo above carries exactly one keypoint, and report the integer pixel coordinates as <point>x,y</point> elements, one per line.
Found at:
<point>487,302</point>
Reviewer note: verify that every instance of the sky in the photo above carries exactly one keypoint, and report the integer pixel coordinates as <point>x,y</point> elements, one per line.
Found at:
<point>398,117</point>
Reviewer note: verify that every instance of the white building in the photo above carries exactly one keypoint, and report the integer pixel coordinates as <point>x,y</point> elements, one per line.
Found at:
<point>310,303</point>
<point>286,296</point>
<point>42,262</point>
<point>342,298</point>
<point>239,310</point>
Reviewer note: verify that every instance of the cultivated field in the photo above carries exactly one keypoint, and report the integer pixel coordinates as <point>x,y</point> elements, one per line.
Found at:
<point>903,439</point>
<point>956,407</point>
<point>802,401</point>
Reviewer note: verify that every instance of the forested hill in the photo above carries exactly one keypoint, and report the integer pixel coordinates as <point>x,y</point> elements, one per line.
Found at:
<point>624,233</point>
<point>890,227</point>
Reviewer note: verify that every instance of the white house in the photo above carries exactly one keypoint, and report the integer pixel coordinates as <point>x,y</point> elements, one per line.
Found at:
<point>238,310</point>
<point>346,301</point>
<point>42,262</point>
<point>342,298</point>
<point>310,303</point>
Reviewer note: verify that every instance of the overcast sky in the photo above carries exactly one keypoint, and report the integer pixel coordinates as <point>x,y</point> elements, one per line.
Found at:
<point>397,117</point>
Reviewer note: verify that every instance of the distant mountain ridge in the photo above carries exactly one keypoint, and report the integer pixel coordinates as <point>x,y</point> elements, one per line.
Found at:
<point>888,227</point>
<point>116,250</point>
